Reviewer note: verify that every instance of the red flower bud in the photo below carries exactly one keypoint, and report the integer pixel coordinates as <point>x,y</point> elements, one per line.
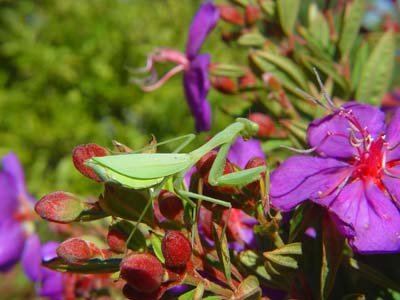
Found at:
<point>76,251</point>
<point>132,294</point>
<point>83,152</point>
<point>170,205</point>
<point>247,81</point>
<point>230,14</point>
<point>224,84</point>
<point>228,168</point>
<point>176,249</point>
<point>254,187</point>
<point>116,240</point>
<point>205,163</point>
<point>142,271</point>
<point>252,14</point>
<point>60,207</point>
<point>265,124</point>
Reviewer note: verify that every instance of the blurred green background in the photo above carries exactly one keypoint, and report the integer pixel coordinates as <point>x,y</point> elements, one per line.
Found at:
<point>64,81</point>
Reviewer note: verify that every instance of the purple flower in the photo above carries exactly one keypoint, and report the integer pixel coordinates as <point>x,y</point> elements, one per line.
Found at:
<point>242,151</point>
<point>49,283</point>
<point>195,79</point>
<point>356,176</point>
<point>13,196</point>
<point>194,66</point>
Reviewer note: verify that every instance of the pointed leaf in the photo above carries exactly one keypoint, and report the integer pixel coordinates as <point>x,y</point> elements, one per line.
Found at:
<point>288,11</point>
<point>377,72</point>
<point>287,66</point>
<point>227,70</point>
<point>221,245</point>
<point>251,39</point>
<point>249,289</point>
<point>351,24</point>
<point>283,256</point>
<point>332,250</point>
<point>92,266</point>
<point>127,203</point>
<point>371,274</point>
<point>156,244</point>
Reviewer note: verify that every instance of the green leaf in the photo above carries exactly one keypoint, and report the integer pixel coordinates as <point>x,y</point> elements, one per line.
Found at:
<point>221,245</point>
<point>249,289</point>
<point>188,295</point>
<point>332,250</point>
<point>287,66</point>
<point>93,266</point>
<point>351,23</point>
<point>288,11</point>
<point>156,244</point>
<point>198,291</point>
<point>251,39</point>
<point>328,69</point>
<point>301,219</point>
<point>127,203</point>
<point>227,70</point>
<point>138,241</point>
<point>376,73</point>
<point>318,26</point>
<point>361,59</point>
<point>371,274</point>
<point>283,255</point>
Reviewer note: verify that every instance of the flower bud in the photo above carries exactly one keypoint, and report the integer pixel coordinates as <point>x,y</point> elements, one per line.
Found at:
<point>83,152</point>
<point>142,271</point>
<point>254,187</point>
<point>76,251</point>
<point>132,294</point>
<point>247,81</point>
<point>228,168</point>
<point>265,124</point>
<point>170,205</point>
<point>224,84</point>
<point>230,14</point>
<point>252,14</point>
<point>205,163</point>
<point>60,207</point>
<point>176,249</point>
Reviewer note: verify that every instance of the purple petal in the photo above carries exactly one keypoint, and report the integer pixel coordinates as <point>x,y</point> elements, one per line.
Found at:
<point>12,166</point>
<point>32,258</point>
<point>393,137</point>
<point>52,284</point>
<point>188,175</point>
<point>8,197</point>
<point>242,151</point>
<point>12,241</point>
<point>392,184</point>
<point>331,134</point>
<point>196,85</point>
<point>372,215</point>
<point>303,177</point>
<point>203,22</point>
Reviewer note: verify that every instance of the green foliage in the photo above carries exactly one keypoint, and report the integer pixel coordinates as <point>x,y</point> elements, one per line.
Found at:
<point>64,81</point>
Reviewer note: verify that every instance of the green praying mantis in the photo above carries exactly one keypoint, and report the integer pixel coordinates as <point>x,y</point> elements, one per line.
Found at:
<point>149,172</point>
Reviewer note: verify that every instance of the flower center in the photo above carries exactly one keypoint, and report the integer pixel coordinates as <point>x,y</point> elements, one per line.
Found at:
<point>371,161</point>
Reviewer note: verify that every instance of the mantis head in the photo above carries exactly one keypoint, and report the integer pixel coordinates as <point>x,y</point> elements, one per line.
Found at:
<point>250,128</point>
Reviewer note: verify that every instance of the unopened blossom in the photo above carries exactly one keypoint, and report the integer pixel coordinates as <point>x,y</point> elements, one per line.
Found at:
<point>193,64</point>
<point>356,176</point>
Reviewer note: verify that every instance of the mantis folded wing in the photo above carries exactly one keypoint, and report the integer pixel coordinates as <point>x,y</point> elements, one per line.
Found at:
<point>150,171</point>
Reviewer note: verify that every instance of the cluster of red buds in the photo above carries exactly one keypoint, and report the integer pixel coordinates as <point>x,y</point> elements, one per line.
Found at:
<point>147,277</point>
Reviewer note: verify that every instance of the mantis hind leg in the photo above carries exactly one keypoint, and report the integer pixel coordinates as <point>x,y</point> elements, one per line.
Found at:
<point>187,195</point>
<point>187,139</point>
